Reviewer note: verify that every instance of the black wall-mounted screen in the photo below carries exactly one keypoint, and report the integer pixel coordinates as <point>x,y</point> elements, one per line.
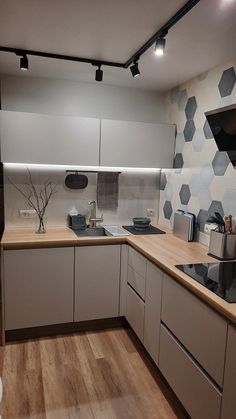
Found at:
<point>223,126</point>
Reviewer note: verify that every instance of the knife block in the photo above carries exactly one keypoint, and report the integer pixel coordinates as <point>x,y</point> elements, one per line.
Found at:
<point>222,245</point>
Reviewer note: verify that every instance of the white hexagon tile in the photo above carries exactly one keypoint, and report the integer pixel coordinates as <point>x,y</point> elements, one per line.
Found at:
<point>202,179</point>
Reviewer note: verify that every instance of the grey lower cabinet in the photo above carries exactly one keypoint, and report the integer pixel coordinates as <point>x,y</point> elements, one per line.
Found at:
<point>200,397</point>
<point>229,400</point>
<point>199,328</point>
<point>38,287</point>
<point>97,282</point>
<point>152,318</point>
<point>135,312</point>
<point>143,304</point>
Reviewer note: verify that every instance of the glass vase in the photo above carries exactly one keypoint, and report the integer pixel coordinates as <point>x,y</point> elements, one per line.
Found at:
<point>40,224</point>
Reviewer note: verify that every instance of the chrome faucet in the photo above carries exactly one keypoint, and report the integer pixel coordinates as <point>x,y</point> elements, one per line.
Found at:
<point>93,215</point>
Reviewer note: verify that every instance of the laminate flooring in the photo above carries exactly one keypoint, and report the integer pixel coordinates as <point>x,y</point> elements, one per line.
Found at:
<point>92,375</point>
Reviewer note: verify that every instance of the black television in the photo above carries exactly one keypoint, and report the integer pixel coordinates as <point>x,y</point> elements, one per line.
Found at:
<point>223,126</point>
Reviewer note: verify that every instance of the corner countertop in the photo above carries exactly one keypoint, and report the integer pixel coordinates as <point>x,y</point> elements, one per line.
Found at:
<point>165,251</point>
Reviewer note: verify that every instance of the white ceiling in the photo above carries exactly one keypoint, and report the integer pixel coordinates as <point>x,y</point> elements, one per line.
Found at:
<point>114,30</point>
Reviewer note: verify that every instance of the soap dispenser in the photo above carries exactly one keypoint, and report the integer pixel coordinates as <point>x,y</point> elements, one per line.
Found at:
<point>72,212</point>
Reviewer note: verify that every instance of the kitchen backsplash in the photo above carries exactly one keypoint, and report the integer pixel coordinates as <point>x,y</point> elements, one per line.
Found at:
<point>137,192</point>
<point>203,179</point>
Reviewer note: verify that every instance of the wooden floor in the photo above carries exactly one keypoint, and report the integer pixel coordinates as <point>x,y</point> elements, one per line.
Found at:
<point>98,375</point>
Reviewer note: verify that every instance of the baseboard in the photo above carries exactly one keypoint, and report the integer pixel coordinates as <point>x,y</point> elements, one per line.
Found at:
<point>65,328</point>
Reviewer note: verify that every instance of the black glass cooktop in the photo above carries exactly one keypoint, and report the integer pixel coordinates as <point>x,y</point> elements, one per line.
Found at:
<point>220,277</point>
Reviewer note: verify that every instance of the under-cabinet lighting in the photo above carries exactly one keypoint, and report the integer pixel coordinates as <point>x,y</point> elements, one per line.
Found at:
<point>80,168</point>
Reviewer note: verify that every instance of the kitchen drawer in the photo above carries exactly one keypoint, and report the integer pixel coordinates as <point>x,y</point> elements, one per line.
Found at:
<point>197,326</point>
<point>152,318</point>
<point>197,393</point>
<point>135,312</point>
<point>137,282</point>
<point>228,399</point>
<point>137,262</point>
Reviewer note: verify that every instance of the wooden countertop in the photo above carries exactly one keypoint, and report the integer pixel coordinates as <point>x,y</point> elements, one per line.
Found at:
<point>165,251</point>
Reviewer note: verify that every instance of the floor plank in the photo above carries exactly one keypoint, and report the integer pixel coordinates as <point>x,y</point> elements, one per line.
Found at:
<point>94,375</point>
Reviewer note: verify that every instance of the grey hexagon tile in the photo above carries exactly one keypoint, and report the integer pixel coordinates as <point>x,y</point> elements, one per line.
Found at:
<point>220,163</point>
<point>205,197</point>
<point>163,181</point>
<point>179,142</point>
<point>216,206</point>
<point>198,140</point>
<point>189,130</point>
<point>229,202</point>
<point>174,95</point>
<point>167,209</point>
<point>227,82</point>
<point>182,99</point>
<point>169,192</point>
<point>195,184</point>
<point>184,194</point>
<point>201,219</point>
<point>225,101</point>
<point>207,130</point>
<point>191,107</point>
<point>206,175</point>
<point>178,161</point>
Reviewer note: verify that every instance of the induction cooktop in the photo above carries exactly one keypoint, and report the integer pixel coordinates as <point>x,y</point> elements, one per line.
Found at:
<point>219,277</point>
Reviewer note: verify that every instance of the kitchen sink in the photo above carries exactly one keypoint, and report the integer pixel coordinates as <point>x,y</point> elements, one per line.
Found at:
<point>92,231</point>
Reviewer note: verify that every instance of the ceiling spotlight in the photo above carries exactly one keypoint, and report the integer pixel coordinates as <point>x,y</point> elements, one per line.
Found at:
<point>24,63</point>
<point>134,69</point>
<point>99,74</point>
<point>160,46</point>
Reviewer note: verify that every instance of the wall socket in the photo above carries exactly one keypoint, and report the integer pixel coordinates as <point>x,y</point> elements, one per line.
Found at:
<point>151,212</point>
<point>27,213</point>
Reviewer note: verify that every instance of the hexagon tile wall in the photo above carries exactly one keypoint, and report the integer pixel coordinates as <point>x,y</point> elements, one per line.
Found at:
<point>203,179</point>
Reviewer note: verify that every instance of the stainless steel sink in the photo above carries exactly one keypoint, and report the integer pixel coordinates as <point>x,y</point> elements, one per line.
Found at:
<point>89,232</point>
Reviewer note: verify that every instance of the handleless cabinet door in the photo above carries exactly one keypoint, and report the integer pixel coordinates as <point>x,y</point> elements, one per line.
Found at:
<point>228,399</point>
<point>200,397</point>
<point>49,139</point>
<point>38,287</point>
<point>153,310</point>
<point>135,312</point>
<point>97,281</point>
<point>199,328</point>
<point>136,144</point>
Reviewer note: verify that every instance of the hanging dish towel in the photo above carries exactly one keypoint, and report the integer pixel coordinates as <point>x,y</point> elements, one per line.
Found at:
<point>107,190</point>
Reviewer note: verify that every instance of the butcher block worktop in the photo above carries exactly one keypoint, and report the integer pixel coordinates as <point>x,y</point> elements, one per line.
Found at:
<point>165,251</point>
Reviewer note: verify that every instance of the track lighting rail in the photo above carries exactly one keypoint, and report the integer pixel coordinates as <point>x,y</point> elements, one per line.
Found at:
<point>161,33</point>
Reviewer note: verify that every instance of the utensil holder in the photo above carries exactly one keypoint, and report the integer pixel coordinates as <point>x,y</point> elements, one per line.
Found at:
<point>222,245</point>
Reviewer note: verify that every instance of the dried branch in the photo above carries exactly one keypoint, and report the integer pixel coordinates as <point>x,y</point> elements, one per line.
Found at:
<point>36,199</point>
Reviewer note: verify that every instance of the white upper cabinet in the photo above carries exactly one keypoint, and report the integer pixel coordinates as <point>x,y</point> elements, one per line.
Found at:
<point>137,144</point>
<point>49,139</point>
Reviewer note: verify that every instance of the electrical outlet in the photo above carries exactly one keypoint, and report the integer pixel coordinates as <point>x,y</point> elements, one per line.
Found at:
<point>151,212</point>
<point>27,213</point>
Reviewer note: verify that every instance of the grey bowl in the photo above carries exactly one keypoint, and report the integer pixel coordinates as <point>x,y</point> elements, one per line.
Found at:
<point>141,223</point>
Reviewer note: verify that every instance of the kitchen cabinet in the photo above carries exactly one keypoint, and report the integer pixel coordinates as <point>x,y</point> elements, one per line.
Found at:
<point>38,287</point>
<point>135,312</point>
<point>200,397</point>
<point>228,400</point>
<point>153,310</point>
<point>97,281</point>
<point>137,144</point>
<point>199,328</point>
<point>49,139</point>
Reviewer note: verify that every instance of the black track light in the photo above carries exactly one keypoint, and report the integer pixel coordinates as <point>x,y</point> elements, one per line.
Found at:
<point>99,74</point>
<point>160,46</point>
<point>24,63</point>
<point>134,69</point>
